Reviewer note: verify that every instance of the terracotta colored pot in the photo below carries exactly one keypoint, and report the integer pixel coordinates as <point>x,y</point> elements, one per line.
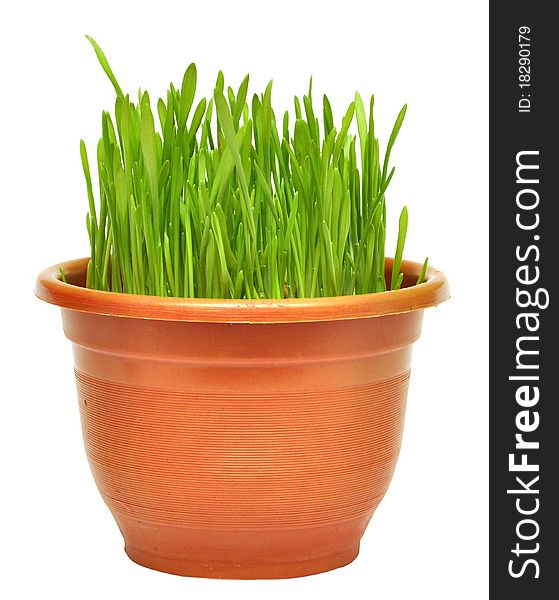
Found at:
<point>242,439</point>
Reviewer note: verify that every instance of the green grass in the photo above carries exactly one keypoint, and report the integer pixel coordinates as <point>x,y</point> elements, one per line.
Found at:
<point>217,198</point>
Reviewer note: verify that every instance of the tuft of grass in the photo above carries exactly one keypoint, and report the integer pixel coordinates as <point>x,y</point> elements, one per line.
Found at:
<point>216,198</point>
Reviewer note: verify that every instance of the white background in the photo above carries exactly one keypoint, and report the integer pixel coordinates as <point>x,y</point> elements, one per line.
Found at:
<point>428,538</point>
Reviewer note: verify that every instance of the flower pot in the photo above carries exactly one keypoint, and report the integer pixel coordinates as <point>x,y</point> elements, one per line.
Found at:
<point>242,439</point>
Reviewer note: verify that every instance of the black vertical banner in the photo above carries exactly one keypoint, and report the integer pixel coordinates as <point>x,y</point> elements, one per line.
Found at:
<point>524,253</point>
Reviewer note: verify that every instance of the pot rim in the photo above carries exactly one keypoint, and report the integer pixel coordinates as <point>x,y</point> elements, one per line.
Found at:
<point>74,295</point>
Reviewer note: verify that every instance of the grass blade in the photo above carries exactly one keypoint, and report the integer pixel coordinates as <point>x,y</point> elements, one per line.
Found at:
<point>402,232</point>
<point>105,65</point>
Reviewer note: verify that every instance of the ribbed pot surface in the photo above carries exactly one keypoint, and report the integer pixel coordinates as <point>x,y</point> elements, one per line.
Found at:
<point>242,450</point>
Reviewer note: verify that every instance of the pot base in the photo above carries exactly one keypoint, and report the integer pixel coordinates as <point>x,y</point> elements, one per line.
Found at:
<point>238,553</point>
<point>237,570</point>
